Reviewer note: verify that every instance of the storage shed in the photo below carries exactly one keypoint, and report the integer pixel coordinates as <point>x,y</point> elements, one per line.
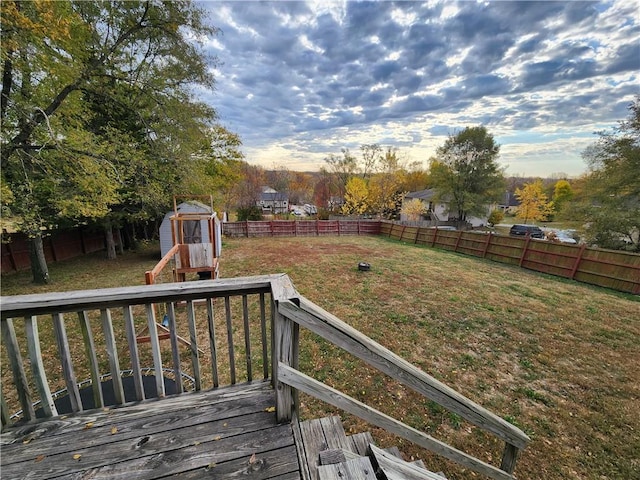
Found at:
<point>195,231</point>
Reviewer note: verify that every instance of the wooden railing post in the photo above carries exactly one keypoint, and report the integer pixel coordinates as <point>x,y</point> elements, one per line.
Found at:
<point>509,458</point>
<point>283,352</point>
<point>285,340</point>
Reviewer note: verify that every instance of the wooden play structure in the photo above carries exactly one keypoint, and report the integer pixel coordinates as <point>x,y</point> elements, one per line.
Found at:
<point>196,235</point>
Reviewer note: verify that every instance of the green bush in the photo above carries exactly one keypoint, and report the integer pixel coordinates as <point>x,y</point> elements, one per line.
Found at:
<point>249,213</point>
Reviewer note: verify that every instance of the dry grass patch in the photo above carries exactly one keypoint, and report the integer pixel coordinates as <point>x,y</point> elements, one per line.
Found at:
<point>557,358</point>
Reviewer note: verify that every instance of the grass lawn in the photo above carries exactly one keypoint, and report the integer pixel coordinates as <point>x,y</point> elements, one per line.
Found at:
<point>556,358</point>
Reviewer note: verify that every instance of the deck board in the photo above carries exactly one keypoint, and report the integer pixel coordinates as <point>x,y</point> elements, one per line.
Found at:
<point>224,433</point>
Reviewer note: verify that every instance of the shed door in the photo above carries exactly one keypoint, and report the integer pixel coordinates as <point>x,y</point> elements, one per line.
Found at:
<point>192,231</point>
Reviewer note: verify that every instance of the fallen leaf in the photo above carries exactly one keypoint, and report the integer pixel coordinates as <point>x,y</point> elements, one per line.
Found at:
<point>252,459</point>
<point>270,409</point>
<point>114,430</point>
<point>39,458</point>
<point>195,444</point>
<point>27,440</point>
<point>77,456</point>
<point>216,438</point>
<point>211,465</point>
<point>88,425</point>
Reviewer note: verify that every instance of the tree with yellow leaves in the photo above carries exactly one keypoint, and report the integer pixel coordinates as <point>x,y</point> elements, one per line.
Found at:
<point>534,204</point>
<point>356,197</point>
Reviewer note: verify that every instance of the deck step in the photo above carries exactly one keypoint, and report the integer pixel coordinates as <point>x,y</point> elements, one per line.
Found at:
<point>390,467</point>
<point>355,469</point>
<point>332,455</point>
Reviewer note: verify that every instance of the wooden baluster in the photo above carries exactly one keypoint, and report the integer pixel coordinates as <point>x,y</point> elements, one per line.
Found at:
<point>232,356</point>
<point>65,360</point>
<point>17,368</point>
<point>247,337</point>
<point>112,354</point>
<point>155,348</point>
<point>5,416</point>
<point>37,367</point>
<point>130,328</point>
<point>212,343</point>
<point>193,340</point>
<point>90,351</point>
<point>175,351</point>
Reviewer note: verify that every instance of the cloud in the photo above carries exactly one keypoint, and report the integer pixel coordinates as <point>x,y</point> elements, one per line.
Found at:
<point>298,80</point>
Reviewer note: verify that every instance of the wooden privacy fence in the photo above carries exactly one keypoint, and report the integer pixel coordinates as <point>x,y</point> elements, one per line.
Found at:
<point>605,268</point>
<point>293,228</point>
<point>61,245</point>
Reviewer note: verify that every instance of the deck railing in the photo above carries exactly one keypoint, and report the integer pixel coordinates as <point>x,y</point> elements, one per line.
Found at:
<point>231,329</point>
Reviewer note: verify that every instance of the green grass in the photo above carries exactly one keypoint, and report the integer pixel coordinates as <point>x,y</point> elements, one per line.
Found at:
<point>554,357</point>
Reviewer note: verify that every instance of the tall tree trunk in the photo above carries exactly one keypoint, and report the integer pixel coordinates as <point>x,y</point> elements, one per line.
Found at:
<point>111,244</point>
<point>39,268</point>
<point>121,241</point>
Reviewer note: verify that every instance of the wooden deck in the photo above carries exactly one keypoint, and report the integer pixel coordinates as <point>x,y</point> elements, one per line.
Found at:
<point>225,433</point>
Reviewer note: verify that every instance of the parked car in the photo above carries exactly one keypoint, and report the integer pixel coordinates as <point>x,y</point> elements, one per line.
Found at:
<point>520,230</point>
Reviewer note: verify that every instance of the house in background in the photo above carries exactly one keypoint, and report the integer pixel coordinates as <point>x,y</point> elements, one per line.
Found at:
<point>437,213</point>
<point>509,203</point>
<point>272,201</point>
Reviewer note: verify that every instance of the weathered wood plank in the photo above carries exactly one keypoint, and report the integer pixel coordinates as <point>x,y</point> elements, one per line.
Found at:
<point>360,442</point>
<point>283,337</point>
<point>355,469</point>
<point>323,392</point>
<point>60,334</point>
<point>90,352</point>
<point>302,454</point>
<point>395,468</point>
<point>334,433</point>
<point>212,342</point>
<point>216,400</point>
<point>227,416</point>
<point>130,329</point>
<point>47,303</point>
<point>37,367</point>
<point>314,442</point>
<point>175,351</point>
<point>247,336</point>
<point>17,368</point>
<point>230,346</point>
<point>509,458</point>
<point>343,335</point>
<point>202,452</point>
<point>266,465</point>
<point>263,335</point>
<point>193,344</point>
<point>112,355</point>
<point>5,415</point>
<point>282,289</point>
<point>155,348</point>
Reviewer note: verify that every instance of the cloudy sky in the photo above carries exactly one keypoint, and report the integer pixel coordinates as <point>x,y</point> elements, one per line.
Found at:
<point>301,80</point>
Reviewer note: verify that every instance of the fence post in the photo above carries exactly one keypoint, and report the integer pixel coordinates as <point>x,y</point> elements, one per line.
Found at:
<point>455,249</point>
<point>577,262</point>
<point>486,245</point>
<point>435,235</point>
<point>524,251</point>
<point>12,260</point>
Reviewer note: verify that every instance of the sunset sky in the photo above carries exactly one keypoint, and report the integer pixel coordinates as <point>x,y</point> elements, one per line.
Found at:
<point>301,80</point>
